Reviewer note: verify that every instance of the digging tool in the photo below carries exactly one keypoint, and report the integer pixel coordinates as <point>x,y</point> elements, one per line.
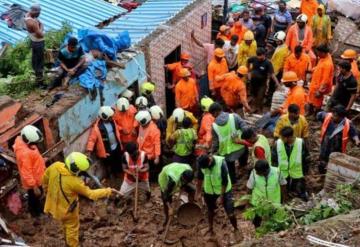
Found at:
<point>165,240</point>
<point>9,243</point>
<point>136,194</point>
<point>15,239</point>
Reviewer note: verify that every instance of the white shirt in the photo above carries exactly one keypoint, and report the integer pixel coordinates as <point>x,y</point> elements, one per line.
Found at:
<point>231,54</point>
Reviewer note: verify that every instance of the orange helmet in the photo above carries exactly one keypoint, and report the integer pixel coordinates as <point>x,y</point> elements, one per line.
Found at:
<point>289,76</point>
<point>349,54</point>
<point>184,73</point>
<point>243,70</point>
<point>184,56</point>
<point>219,52</point>
<point>223,28</point>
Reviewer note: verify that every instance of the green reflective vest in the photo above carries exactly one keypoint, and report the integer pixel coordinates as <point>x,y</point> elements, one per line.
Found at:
<point>263,143</point>
<point>185,142</point>
<point>266,187</point>
<point>212,178</point>
<point>290,166</point>
<point>174,171</point>
<point>225,133</point>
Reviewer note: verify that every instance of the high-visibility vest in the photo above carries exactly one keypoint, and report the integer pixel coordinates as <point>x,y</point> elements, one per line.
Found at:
<point>264,144</point>
<point>224,133</point>
<point>345,131</point>
<point>185,142</point>
<point>290,166</point>
<point>174,171</point>
<point>212,178</point>
<point>267,188</point>
<point>143,176</point>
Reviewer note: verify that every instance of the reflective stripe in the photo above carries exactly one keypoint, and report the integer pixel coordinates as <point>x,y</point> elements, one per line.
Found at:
<point>266,187</point>
<point>212,178</point>
<point>290,166</point>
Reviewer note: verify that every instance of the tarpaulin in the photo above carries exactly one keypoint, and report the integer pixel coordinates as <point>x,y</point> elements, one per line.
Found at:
<point>94,75</point>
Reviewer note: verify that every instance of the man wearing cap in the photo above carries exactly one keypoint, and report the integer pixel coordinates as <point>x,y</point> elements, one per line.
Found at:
<point>233,91</point>
<point>175,120</point>
<point>147,90</point>
<point>300,34</point>
<point>186,92</point>
<point>224,33</point>
<point>175,68</point>
<point>247,48</point>
<point>280,54</point>
<point>321,27</point>
<point>299,62</point>
<point>216,70</point>
<point>322,78</point>
<point>350,56</point>
<point>204,135</point>
<point>36,33</point>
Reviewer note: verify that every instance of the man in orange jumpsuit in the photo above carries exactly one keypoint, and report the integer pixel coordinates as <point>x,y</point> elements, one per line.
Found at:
<point>149,141</point>
<point>322,78</point>
<point>186,92</point>
<point>204,135</point>
<point>233,91</point>
<point>175,68</point>
<point>124,118</point>
<point>239,30</point>
<point>31,166</point>
<point>309,8</point>
<point>299,62</point>
<point>224,33</point>
<point>216,70</point>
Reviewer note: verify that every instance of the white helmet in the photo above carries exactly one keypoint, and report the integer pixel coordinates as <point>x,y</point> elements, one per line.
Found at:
<point>281,35</point>
<point>106,112</point>
<point>141,101</point>
<point>127,94</point>
<point>122,104</point>
<point>31,134</point>
<point>302,18</point>
<point>143,117</point>
<point>156,112</point>
<point>179,115</point>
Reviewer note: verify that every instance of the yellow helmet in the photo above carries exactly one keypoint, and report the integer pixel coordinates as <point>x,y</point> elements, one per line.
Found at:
<point>249,35</point>
<point>77,162</point>
<point>205,103</point>
<point>147,88</point>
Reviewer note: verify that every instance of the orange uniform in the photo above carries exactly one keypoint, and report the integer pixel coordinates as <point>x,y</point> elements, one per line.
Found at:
<point>299,66</point>
<point>127,124</point>
<point>309,8</point>
<point>204,134</point>
<point>233,91</point>
<point>322,80</point>
<point>149,140</point>
<point>297,96</point>
<point>292,38</point>
<point>222,36</point>
<point>355,70</point>
<point>215,72</point>
<point>96,141</point>
<point>186,94</point>
<point>238,30</point>
<point>175,69</point>
<point>30,163</point>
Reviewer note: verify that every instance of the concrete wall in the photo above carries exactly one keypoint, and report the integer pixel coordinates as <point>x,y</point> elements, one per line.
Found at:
<point>74,124</point>
<point>177,33</point>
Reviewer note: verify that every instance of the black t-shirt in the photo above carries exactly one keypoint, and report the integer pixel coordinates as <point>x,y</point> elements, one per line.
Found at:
<point>260,70</point>
<point>345,87</point>
<point>70,59</point>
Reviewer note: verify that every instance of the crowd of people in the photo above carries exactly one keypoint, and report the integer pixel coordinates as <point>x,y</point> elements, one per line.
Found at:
<point>199,148</point>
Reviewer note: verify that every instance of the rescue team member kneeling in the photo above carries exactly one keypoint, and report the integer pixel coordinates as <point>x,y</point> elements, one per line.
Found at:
<point>63,186</point>
<point>214,177</point>
<point>172,178</point>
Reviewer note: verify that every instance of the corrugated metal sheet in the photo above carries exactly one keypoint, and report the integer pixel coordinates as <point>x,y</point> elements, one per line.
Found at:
<point>147,18</point>
<point>79,13</point>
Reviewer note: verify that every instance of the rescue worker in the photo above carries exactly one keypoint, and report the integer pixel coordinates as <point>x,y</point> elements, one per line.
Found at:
<point>214,180</point>
<point>157,115</point>
<point>204,135</point>
<point>233,91</point>
<point>62,185</point>
<point>299,62</point>
<point>309,7</point>
<point>31,166</point>
<point>173,178</point>
<point>350,56</point>
<point>247,48</point>
<point>147,90</point>
<point>141,103</point>
<point>105,139</point>
<point>186,92</point>
<point>224,33</point>
<point>321,27</point>
<point>259,143</point>
<point>149,141</point>
<point>135,164</point>
<point>239,30</point>
<point>226,127</point>
<point>217,68</point>
<point>265,183</point>
<point>296,121</point>
<point>184,139</point>
<point>175,68</point>
<point>322,78</point>
<point>124,118</point>
<point>175,120</point>
<point>129,95</point>
<point>300,34</point>
<point>336,131</point>
<point>280,54</point>
<point>292,157</point>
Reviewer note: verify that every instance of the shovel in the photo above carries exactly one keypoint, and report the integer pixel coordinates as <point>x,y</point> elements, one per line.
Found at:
<point>165,240</point>
<point>15,239</point>
<point>136,195</point>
